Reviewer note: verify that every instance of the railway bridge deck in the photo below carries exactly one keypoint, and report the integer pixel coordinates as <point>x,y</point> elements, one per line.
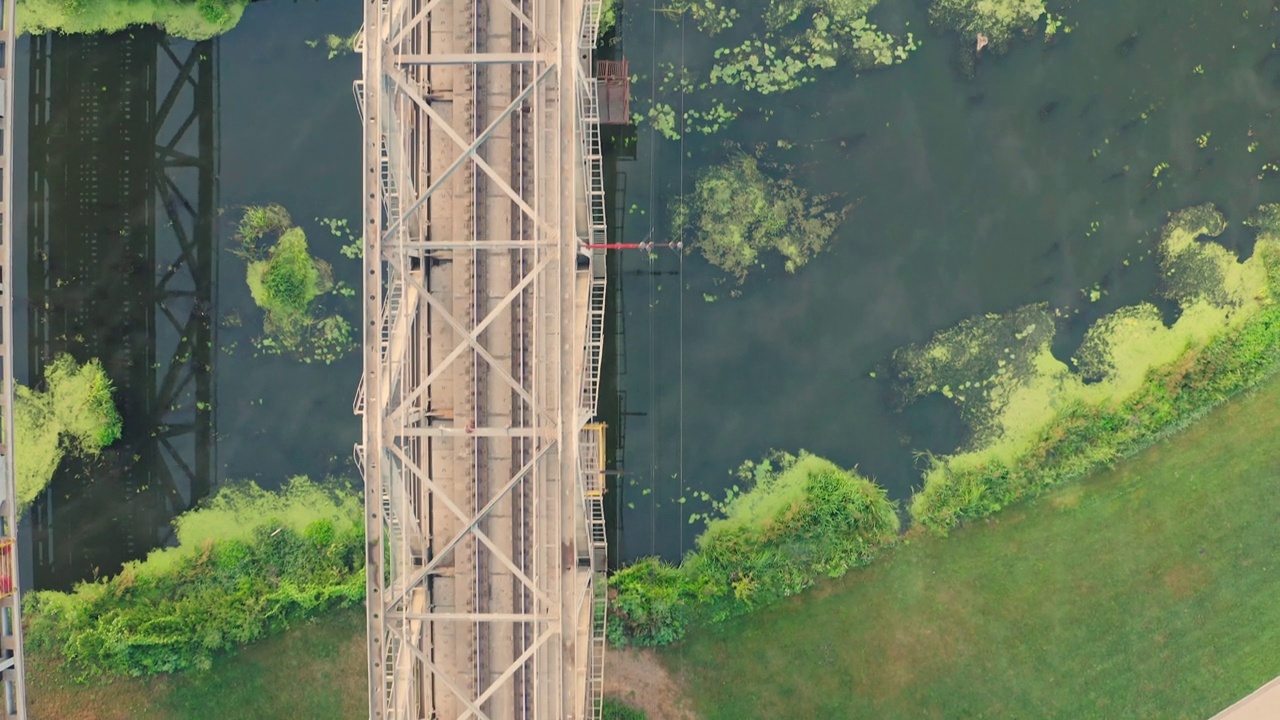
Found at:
<point>483,324</point>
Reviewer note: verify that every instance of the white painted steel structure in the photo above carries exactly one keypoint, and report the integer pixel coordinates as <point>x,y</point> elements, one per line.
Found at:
<point>12,666</point>
<point>482,331</point>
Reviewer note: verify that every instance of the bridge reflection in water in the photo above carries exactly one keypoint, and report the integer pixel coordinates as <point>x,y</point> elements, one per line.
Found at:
<point>121,262</point>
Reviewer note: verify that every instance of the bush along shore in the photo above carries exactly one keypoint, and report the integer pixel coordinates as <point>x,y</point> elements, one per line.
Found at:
<point>248,564</point>
<point>803,518</point>
<point>74,413</point>
<point>187,19</point>
<point>1035,422</point>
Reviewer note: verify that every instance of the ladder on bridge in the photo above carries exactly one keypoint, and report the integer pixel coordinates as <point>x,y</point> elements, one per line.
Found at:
<point>593,160</point>
<point>589,33</point>
<point>591,449</point>
<point>594,342</point>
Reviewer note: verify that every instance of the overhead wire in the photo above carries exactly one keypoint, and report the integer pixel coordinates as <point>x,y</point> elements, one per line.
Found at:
<point>653,380</point>
<point>680,280</point>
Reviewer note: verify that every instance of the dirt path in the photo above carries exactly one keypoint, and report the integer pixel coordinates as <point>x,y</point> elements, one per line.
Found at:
<point>638,679</point>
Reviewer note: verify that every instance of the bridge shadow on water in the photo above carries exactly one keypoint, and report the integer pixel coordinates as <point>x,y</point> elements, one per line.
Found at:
<point>122,263</point>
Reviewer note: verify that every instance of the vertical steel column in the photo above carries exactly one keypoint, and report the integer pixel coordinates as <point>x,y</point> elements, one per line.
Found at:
<point>12,664</point>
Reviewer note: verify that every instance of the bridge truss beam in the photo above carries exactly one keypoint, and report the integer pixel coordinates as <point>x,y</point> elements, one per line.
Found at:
<point>482,583</point>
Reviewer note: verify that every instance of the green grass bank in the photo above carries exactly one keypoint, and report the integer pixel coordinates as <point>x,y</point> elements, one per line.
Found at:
<point>314,671</point>
<point>1147,590</point>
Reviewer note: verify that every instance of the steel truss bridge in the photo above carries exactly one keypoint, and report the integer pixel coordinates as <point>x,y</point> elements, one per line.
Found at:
<point>483,327</point>
<point>483,330</point>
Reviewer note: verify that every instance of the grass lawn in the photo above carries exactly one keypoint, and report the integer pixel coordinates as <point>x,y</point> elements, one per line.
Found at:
<point>315,671</point>
<point>1148,591</point>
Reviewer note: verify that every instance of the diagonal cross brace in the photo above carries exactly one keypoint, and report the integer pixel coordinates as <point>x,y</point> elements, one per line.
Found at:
<point>424,12</point>
<point>515,665</point>
<point>465,697</point>
<point>473,336</point>
<point>415,22</point>
<point>480,349</point>
<point>439,555</point>
<point>469,150</point>
<point>480,534</point>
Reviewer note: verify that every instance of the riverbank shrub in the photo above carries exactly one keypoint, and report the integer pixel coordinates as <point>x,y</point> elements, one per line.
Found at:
<point>285,280</point>
<point>799,519</point>
<point>608,16</point>
<point>738,216</point>
<point>188,19</point>
<point>75,413</point>
<point>248,564</point>
<point>1040,423</point>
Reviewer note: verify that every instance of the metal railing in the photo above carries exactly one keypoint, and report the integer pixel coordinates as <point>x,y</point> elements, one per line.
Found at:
<point>12,661</point>
<point>594,343</point>
<point>591,452</point>
<point>592,159</point>
<point>589,33</point>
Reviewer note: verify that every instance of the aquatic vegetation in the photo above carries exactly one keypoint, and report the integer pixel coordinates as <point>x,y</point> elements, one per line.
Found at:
<point>353,248</point>
<point>338,45</point>
<point>799,39</point>
<point>1054,24</point>
<point>285,281</point>
<point>75,413</point>
<point>248,564</point>
<point>996,20</point>
<point>257,222</point>
<point>1036,422</point>
<point>990,356</point>
<point>798,519</point>
<point>199,20</point>
<point>711,120</point>
<point>737,215</point>
<point>663,117</point>
<point>760,67</point>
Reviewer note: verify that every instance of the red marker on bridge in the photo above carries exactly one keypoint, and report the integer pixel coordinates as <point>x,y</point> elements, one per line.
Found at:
<point>646,246</point>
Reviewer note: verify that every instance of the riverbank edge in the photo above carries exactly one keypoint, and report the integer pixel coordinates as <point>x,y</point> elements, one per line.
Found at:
<point>1080,439</point>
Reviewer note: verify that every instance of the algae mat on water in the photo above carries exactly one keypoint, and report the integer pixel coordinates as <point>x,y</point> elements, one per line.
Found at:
<point>1145,591</point>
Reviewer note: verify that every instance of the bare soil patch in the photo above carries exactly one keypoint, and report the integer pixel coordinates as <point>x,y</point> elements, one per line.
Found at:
<point>637,678</point>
